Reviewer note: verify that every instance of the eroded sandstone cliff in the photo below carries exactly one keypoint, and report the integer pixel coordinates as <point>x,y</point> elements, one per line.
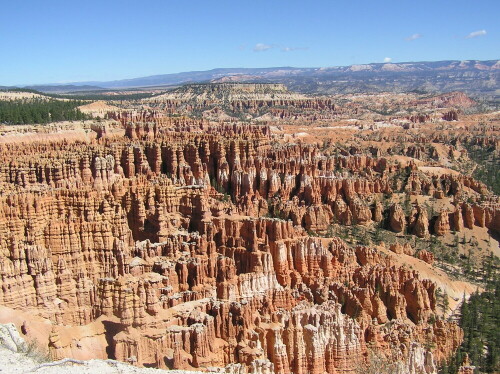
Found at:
<point>190,242</point>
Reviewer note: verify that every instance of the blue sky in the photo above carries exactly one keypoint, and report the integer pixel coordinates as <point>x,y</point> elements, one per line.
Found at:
<point>86,40</point>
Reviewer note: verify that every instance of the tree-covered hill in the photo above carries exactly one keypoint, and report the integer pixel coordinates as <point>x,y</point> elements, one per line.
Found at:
<point>23,111</point>
<point>480,320</point>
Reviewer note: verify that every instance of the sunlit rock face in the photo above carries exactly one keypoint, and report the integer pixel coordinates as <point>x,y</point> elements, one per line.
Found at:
<point>167,238</point>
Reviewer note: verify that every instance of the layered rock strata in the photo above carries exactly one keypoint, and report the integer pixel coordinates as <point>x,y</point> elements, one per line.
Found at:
<point>165,238</point>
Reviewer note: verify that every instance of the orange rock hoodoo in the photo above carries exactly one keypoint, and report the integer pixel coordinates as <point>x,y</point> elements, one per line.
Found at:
<point>135,233</point>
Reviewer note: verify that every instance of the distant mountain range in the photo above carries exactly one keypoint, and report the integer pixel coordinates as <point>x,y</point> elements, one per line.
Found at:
<point>480,78</point>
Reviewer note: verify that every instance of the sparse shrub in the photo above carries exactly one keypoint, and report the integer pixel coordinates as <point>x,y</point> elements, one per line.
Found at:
<point>35,351</point>
<point>377,363</point>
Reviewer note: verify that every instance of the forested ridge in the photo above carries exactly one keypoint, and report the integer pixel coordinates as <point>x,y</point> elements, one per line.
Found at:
<point>487,166</point>
<point>29,111</point>
<point>480,320</point>
<point>91,95</point>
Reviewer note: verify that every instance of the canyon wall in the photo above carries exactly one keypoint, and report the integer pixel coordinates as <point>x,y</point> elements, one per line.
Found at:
<point>188,240</point>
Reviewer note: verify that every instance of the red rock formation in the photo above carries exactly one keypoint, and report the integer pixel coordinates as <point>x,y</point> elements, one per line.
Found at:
<point>397,218</point>
<point>421,226</point>
<point>442,224</point>
<point>161,237</point>
<point>426,256</point>
<point>452,115</point>
<point>451,99</point>
<point>457,219</point>
<point>468,216</point>
<point>378,212</point>
<point>402,249</point>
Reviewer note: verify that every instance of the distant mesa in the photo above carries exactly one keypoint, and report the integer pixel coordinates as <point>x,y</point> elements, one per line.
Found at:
<point>64,88</point>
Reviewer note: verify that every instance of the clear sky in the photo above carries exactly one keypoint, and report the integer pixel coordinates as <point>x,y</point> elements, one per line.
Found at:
<point>56,41</point>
